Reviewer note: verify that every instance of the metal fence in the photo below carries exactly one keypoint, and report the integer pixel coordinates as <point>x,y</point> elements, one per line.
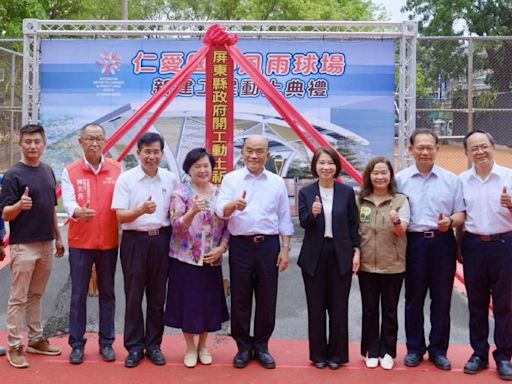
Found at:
<point>11,73</point>
<point>465,83</point>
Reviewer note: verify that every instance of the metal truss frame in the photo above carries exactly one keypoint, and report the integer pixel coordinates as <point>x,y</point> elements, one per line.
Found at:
<point>404,33</point>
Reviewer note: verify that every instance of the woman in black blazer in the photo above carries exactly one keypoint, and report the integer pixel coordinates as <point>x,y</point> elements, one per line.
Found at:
<point>328,257</point>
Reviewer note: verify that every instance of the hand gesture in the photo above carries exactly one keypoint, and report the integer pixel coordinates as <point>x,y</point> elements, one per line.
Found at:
<point>241,203</point>
<point>25,201</point>
<point>393,215</point>
<point>505,199</point>
<point>149,206</point>
<point>443,223</point>
<point>316,208</point>
<point>199,205</point>
<point>87,213</point>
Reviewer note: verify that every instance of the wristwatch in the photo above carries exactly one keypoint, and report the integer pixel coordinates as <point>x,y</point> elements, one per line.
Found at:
<point>286,246</point>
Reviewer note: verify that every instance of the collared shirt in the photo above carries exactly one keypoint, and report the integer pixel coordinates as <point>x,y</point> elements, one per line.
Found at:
<point>268,207</point>
<point>484,213</point>
<point>438,192</point>
<point>133,187</point>
<point>68,192</point>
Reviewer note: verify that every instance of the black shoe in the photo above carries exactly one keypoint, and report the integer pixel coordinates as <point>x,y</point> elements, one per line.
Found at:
<point>156,356</point>
<point>475,364</point>
<point>2,351</point>
<point>133,359</point>
<point>241,359</point>
<point>265,358</point>
<point>441,362</point>
<point>320,364</point>
<point>333,365</point>
<point>76,356</point>
<point>107,353</point>
<point>504,370</point>
<point>413,359</point>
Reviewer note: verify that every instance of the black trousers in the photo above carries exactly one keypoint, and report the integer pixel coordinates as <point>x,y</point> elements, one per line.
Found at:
<point>327,294</point>
<point>80,267</point>
<point>379,291</point>
<point>430,266</point>
<point>253,270</point>
<point>488,273</point>
<point>144,261</point>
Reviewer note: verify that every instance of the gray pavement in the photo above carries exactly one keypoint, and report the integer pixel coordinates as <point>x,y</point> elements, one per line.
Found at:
<point>291,308</point>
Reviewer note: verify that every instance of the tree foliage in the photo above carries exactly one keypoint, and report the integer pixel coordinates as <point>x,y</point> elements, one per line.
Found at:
<point>12,12</point>
<point>476,17</point>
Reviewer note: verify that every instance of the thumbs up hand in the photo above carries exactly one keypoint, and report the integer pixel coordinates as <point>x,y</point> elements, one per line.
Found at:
<point>25,201</point>
<point>200,204</point>
<point>505,199</point>
<point>149,206</point>
<point>241,202</point>
<point>393,215</point>
<point>87,213</point>
<point>444,223</point>
<point>316,208</point>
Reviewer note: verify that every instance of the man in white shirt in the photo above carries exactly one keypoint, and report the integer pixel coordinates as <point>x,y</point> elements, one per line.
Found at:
<point>256,203</point>
<point>141,199</point>
<point>487,253</point>
<point>435,198</point>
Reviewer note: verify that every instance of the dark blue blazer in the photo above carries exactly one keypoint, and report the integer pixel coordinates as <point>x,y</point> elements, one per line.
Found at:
<point>345,227</point>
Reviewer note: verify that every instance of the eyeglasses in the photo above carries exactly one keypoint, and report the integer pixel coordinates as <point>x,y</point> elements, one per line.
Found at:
<point>90,140</point>
<point>483,148</point>
<point>423,148</point>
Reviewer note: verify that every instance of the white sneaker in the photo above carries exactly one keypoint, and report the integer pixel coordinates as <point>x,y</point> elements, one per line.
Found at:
<point>387,362</point>
<point>371,362</point>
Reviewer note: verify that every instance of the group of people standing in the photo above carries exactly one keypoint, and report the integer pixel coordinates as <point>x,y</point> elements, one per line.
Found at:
<point>398,227</point>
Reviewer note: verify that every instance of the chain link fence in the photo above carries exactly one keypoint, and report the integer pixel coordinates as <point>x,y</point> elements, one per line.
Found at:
<point>465,83</point>
<point>11,74</point>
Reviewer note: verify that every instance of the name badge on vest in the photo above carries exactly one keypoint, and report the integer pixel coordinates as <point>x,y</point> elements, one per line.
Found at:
<point>365,215</point>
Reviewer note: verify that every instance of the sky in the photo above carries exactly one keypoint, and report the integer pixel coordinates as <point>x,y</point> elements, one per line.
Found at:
<point>393,8</point>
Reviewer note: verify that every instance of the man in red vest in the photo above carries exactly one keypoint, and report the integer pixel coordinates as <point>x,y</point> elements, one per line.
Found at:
<point>87,188</point>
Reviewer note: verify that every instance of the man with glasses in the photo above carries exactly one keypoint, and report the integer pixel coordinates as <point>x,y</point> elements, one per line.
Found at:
<point>28,202</point>
<point>142,198</point>
<point>487,253</point>
<point>435,198</point>
<point>87,189</point>
<point>256,203</point>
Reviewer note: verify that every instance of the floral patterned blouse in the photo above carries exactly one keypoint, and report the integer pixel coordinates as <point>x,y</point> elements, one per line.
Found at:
<point>189,244</point>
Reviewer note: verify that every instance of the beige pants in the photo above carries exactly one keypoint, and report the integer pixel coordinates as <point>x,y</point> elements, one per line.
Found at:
<point>31,265</point>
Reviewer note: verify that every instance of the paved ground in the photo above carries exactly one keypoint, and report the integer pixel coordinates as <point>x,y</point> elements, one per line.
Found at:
<point>291,308</point>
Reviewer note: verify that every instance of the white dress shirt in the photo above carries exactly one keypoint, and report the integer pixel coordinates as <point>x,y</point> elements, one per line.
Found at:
<point>68,191</point>
<point>484,213</point>
<point>438,192</point>
<point>268,208</point>
<point>133,187</point>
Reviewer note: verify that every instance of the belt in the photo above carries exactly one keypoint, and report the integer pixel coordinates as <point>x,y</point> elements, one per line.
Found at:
<point>426,234</point>
<point>151,233</point>
<point>256,238</point>
<point>487,238</point>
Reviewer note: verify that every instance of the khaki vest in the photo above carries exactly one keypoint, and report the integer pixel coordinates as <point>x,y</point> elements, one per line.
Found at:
<point>381,250</point>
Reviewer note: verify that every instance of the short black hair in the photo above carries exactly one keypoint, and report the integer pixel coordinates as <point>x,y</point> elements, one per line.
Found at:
<point>149,138</point>
<point>82,130</point>
<point>194,155</point>
<point>331,152</point>
<point>489,136</point>
<point>32,128</point>
<point>423,131</point>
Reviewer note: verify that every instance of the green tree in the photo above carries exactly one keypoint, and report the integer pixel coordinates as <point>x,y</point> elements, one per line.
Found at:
<point>481,18</point>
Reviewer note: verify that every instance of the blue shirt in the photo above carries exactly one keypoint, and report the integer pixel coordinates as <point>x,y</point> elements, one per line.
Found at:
<point>438,192</point>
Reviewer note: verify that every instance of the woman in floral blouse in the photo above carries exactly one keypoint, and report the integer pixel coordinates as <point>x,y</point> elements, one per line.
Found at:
<point>195,293</point>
